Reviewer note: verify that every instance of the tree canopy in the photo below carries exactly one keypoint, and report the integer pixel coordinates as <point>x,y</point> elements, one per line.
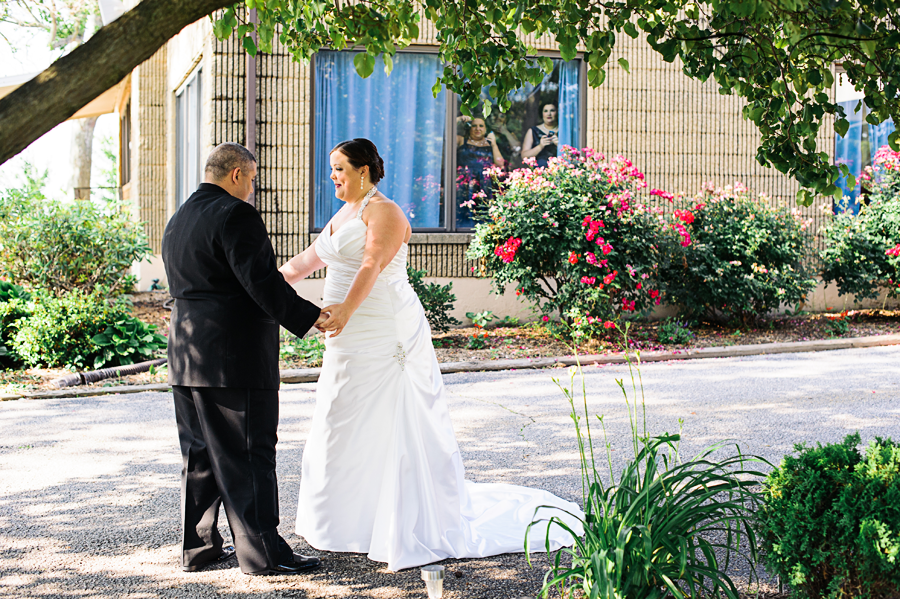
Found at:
<point>779,55</point>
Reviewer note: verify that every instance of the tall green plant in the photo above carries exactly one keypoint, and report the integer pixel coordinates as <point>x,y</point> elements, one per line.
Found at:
<point>63,246</point>
<point>658,528</point>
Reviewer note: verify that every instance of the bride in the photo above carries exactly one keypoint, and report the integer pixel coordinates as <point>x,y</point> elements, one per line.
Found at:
<point>382,472</point>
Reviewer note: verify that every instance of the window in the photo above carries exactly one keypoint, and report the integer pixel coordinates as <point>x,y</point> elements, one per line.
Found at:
<point>189,161</point>
<point>857,149</point>
<point>434,157</point>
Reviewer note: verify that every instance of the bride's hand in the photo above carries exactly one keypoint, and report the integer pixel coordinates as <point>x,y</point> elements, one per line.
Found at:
<point>338,315</point>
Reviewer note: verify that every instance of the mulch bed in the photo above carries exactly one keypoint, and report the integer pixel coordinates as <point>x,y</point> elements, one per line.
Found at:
<point>528,341</point>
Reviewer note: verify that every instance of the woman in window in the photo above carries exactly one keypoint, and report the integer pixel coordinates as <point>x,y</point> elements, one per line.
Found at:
<point>541,141</point>
<point>510,146</point>
<point>475,151</point>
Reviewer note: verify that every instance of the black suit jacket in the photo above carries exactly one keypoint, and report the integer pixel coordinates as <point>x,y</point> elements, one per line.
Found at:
<point>229,295</point>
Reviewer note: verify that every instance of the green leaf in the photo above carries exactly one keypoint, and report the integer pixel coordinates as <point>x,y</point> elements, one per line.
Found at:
<point>388,63</point>
<point>630,29</point>
<point>249,45</point>
<point>869,47</point>
<point>841,126</point>
<point>596,77</point>
<point>364,63</point>
<point>624,64</point>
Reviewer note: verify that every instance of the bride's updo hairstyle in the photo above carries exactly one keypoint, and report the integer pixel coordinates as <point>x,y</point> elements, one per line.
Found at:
<point>361,152</point>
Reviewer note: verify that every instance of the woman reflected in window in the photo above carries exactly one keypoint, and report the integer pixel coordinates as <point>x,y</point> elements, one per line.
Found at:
<point>510,146</point>
<point>475,151</point>
<point>541,141</point>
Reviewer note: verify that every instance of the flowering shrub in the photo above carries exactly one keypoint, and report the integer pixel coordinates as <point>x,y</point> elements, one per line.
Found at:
<point>862,252</point>
<point>729,255</point>
<point>573,238</point>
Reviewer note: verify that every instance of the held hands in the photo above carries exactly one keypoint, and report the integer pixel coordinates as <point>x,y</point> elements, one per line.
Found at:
<point>323,316</point>
<point>547,140</point>
<point>491,138</point>
<point>335,319</point>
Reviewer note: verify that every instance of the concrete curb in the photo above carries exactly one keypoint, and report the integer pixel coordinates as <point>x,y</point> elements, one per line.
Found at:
<point>311,375</point>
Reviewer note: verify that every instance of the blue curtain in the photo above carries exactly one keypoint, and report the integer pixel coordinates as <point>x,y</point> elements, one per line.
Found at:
<point>847,151</point>
<point>569,104</point>
<point>878,135</point>
<point>399,114</point>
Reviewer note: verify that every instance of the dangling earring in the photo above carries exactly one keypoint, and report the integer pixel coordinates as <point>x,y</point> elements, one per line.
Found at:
<point>362,181</point>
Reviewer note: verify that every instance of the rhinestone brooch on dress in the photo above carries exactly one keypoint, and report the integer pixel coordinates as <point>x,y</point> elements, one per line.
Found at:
<point>401,356</point>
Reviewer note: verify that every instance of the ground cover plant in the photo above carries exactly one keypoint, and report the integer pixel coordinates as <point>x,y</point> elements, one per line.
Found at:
<point>127,341</point>
<point>572,237</point>
<point>59,331</point>
<point>862,251</point>
<point>830,521</point>
<point>663,527</point>
<point>310,349</point>
<point>731,255</point>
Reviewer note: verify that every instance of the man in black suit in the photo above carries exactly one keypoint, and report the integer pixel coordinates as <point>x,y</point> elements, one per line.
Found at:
<point>223,367</point>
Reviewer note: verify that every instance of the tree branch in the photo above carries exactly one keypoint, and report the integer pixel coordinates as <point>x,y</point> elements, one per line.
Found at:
<point>77,78</point>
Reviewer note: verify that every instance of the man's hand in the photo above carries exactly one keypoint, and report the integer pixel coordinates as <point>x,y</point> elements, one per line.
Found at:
<point>323,316</point>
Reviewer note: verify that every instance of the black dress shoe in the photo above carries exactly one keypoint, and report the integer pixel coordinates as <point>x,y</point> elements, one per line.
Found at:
<point>298,565</point>
<point>227,553</point>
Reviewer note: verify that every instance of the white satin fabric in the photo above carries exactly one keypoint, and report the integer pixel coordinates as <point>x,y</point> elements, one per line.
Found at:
<point>382,472</point>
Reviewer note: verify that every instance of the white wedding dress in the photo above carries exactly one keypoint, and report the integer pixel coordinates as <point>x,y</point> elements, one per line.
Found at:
<point>382,473</point>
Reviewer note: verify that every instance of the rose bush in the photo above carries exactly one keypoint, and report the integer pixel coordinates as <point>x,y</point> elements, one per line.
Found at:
<point>730,255</point>
<point>573,237</point>
<point>862,252</point>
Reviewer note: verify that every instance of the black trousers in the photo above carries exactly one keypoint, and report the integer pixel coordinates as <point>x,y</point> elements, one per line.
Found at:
<point>228,441</point>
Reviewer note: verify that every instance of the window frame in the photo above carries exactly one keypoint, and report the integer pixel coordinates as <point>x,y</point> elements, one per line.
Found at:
<point>125,139</point>
<point>182,130</point>
<point>449,160</point>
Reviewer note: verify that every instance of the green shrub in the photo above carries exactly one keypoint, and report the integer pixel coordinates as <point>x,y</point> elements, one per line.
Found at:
<point>436,299</point>
<point>862,252</point>
<point>731,256</point>
<point>60,330</point>
<point>674,332</point>
<point>664,527</point>
<point>127,341</point>
<point>62,246</point>
<point>572,237</point>
<point>830,522</point>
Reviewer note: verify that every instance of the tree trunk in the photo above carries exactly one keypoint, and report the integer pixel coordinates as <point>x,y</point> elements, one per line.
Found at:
<point>77,78</point>
<point>82,146</point>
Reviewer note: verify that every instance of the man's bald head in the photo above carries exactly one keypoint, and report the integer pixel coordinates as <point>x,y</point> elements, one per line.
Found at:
<point>232,167</point>
<point>225,158</point>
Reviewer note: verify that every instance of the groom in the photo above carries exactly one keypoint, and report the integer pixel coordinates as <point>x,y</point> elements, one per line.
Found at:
<point>223,367</point>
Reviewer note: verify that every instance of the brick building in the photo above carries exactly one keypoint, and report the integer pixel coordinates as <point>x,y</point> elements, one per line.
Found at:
<point>197,92</point>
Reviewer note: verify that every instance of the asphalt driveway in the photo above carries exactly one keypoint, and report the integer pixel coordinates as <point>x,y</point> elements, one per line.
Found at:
<point>89,486</point>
